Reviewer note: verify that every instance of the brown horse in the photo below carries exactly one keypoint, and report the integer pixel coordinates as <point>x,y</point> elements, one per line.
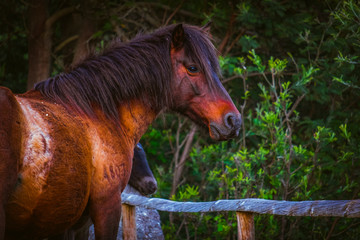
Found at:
<point>67,146</point>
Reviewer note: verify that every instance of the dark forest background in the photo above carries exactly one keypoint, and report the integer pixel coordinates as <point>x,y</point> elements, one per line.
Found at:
<point>292,69</point>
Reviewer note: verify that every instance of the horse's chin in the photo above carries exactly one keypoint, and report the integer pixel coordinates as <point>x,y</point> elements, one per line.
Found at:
<point>221,134</point>
<point>214,133</point>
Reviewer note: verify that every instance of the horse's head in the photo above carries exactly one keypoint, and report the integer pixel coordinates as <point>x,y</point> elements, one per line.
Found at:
<point>198,92</point>
<point>141,177</point>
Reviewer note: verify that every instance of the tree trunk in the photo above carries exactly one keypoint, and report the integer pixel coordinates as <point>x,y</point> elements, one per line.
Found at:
<point>87,29</point>
<point>39,42</point>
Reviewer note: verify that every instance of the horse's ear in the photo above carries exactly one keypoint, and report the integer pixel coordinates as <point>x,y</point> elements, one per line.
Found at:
<point>178,37</point>
<point>206,27</point>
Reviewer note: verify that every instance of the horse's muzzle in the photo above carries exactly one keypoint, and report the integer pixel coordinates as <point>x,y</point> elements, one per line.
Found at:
<point>147,185</point>
<point>230,127</point>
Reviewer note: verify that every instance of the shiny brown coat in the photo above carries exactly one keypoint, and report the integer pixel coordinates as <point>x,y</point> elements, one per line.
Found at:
<point>67,146</point>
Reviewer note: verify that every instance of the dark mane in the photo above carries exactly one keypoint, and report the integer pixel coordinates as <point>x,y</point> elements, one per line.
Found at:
<point>138,69</point>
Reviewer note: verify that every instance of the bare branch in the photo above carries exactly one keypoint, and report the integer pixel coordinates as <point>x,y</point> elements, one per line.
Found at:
<point>228,33</point>
<point>332,228</point>
<point>173,13</point>
<point>59,14</point>
<point>65,42</point>
<point>180,163</point>
<point>288,114</point>
<point>165,7</point>
<point>252,75</point>
<point>234,41</point>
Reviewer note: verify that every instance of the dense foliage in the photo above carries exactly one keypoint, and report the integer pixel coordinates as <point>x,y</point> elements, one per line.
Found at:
<point>292,69</point>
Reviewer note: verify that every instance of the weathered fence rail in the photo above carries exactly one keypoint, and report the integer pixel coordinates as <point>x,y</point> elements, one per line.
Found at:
<point>245,208</point>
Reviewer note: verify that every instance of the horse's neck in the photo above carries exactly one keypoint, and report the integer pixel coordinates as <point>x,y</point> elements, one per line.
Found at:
<point>135,118</point>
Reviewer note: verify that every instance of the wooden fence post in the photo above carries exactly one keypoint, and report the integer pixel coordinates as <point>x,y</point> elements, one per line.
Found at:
<point>128,222</point>
<point>245,226</point>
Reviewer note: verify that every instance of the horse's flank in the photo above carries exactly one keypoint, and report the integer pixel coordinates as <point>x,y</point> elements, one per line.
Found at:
<point>52,169</point>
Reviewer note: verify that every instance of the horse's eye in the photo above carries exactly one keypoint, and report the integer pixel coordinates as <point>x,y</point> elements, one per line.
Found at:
<point>192,69</point>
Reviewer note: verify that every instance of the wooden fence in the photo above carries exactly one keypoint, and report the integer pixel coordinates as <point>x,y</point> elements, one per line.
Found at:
<point>244,208</point>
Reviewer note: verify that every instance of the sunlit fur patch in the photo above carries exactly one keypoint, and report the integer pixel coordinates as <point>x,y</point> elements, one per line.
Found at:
<point>38,145</point>
<point>106,154</point>
<point>38,154</point>
<point>113,148</point>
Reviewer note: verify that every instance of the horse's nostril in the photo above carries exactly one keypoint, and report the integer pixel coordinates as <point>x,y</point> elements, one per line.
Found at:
<point>230,120</point>
<point>151,187</point>
<point>228,129</point>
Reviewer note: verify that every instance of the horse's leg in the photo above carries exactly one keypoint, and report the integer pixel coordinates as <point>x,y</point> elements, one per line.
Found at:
<point>68,235</point>
<point>73,234</point>
<point>81,228</point>
<point>10,148</point>
<point>2,222</point>
<point>82,234</point>
<point>8,176</point>
<point>105,213</point>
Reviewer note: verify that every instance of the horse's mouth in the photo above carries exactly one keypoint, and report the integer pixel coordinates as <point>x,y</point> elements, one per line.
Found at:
<point>224,132</point>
